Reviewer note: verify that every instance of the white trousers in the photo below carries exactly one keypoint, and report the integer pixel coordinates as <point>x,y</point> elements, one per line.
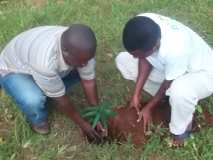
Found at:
<point>184,92</point>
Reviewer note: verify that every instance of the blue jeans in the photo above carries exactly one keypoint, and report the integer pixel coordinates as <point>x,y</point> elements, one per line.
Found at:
<point>29,97</point>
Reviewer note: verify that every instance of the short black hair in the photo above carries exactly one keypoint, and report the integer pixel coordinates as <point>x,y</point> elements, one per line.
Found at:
<point>79,36</point>
<point>141,33</point>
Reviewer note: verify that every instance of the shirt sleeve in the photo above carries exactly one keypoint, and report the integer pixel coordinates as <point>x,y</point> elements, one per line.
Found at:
<point>50,83</point>
<point>87,72</point>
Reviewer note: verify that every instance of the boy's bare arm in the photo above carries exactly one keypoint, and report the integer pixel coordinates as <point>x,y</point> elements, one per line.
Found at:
<point>65,106</point>
<point>159,95</point>
<point>146,112</point>
<point>90,90</point>
<point>144,69</point>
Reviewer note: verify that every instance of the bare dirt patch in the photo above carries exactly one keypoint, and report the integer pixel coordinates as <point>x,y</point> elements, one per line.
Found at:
<point>125,124</point>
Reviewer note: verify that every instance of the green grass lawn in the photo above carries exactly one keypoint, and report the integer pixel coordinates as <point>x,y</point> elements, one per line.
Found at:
<point>107,18</point>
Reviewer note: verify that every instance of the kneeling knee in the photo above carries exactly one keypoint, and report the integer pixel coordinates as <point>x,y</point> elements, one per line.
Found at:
<point>180,94</point>
<point>34,102</point>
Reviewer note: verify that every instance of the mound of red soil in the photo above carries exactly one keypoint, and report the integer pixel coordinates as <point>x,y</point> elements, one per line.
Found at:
<point>125,125</point>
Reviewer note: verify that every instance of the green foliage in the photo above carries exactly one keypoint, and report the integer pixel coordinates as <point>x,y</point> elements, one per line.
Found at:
<point>210,105</point>
<point>199,109</point>
<point>100,113</point>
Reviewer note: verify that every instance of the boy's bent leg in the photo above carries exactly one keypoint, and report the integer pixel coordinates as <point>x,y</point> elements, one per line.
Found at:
<point>185,92</point>
<point>28,96</point>
<point>128,66</point>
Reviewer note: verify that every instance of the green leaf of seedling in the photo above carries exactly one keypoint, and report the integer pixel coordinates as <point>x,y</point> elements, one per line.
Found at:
<point>96,120</point>
<point>105,125</point>
<point>104,120</point>
<point>89,114</point>
<point>88,109</point>
<point>108,112</point>
<point>100,113</point>
<point>101,109</point>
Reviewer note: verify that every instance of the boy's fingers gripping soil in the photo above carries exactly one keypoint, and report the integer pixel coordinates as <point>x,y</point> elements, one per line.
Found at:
<point>134,103</point>
<point>147,125</point>
<point>140,116</point>
<point>100,127</point>
<point>146,120</point>
<point>137,109</point>
<point>101,130</point>
<point>94,137</point>
<point>90,133</point>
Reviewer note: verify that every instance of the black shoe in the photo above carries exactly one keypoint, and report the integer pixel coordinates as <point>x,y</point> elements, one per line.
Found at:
<point>42,128</point>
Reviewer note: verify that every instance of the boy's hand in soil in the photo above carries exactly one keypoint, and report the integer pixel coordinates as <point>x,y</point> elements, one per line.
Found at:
<point>146,115</point>
<point>101,130</point>
<point>90,133</point>
<point>65,106</point>
<point>144,68</point>
<point>146,112</point>
<point>135,103</point>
